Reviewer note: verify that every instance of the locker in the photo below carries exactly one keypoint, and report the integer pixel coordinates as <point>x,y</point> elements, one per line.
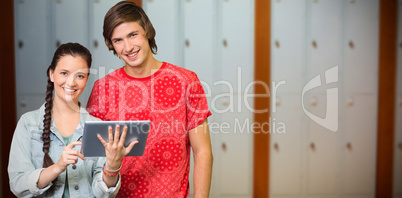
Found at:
<point>235,149</point>
<point>288,44</point>
<point>164,15</point>
<point>31,69</point>
<point>322,152</point>
<point>199,19</point>
<point>29,102</point>
<point>360,46</point>
<point>286,148</point>
<point>68,16</point>
<point>103,60</point>
<point>324,36</point>
<point>358,147</point>
<point>236,43</point>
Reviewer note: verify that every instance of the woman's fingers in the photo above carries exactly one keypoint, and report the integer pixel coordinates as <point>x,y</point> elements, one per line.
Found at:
<point>72,144</point>
<point>81,156</point>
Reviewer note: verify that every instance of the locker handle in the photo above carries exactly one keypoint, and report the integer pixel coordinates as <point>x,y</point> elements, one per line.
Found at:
<point>278,102</point>
<point>23,103</point>
<point>187,43</point>
<point>349,146</point>
<point>21,1</point>
<point>352,1</point>
<point>314,43</point>
<point>400,44</point>
<point>276,147</point>
<point>224,147</point>
<point>277,44</point>
<point>225,43</point>
<point>58,43</point>
<point>312,146</point>
<point>314,101</point>
<point>315,1</point>
<point>400,145</point>
<point>351,45</point>
<point>351,101</point>
<point>96,43</point>
<point>20,44</point>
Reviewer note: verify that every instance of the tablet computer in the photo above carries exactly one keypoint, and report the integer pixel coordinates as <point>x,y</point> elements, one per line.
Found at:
<point>93,147</point>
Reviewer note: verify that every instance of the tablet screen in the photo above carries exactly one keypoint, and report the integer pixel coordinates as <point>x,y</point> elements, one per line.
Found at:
<point>92,147</point>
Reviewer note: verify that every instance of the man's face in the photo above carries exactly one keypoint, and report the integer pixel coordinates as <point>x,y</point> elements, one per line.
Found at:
<point>131,44</point>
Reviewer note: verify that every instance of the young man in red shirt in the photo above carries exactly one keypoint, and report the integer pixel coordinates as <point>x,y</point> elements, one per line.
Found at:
<point>168,95</point>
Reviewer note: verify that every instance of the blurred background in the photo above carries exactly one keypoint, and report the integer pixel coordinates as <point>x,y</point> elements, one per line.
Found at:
<point>306,95</point>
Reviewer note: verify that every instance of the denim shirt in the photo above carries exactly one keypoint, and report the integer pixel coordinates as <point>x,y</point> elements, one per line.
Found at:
<point>26,160</point>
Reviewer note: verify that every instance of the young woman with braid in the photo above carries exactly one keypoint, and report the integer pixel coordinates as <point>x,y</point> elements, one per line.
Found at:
<point>52,133</point>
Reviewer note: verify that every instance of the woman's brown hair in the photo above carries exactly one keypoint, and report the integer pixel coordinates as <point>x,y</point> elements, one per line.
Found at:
<point>71,49</point>
<point>126,11</point>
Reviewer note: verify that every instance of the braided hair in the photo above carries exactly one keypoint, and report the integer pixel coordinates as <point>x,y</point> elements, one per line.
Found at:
<point>72,49</point>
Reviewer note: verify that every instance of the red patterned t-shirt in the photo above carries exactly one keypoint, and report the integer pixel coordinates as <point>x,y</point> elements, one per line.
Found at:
<point>174,101</point>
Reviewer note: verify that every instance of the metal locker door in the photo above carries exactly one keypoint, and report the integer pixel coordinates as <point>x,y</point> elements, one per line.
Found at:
<point>235,152</point>
<point>199,33</point>
<point>286,132</point>
<point>323,48</point>
<point>33,55</point>
<point>70,22</point>
<point>360,47</point>
<point>236,43</point>
<point>321,150</point>
<point>164,15</point>
<point>323,36</point>
<point>288,44</point>
<point>103,60</point>
<point>359,148</point>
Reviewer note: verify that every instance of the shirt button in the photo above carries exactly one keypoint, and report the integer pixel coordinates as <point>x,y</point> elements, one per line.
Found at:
<point>74,166</point>
<point>76,187</point>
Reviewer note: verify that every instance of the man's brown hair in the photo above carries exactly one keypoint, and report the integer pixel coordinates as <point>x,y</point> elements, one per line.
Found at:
<point>126,11</point>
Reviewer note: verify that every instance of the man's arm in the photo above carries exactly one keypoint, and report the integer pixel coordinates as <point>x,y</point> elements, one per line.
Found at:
<point>201,144</point>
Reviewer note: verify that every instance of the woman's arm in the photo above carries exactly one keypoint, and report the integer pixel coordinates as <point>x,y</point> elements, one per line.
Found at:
<point>68,157</point>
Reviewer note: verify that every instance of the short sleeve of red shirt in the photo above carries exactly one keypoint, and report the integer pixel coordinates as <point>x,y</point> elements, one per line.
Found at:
<point>197,106</point>
<point>96,102</point>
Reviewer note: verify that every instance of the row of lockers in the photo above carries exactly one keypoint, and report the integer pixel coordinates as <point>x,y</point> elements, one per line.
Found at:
<point>309,40</point>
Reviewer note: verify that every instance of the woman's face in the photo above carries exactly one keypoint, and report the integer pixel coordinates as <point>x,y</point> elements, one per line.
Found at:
<point>70,78</point>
